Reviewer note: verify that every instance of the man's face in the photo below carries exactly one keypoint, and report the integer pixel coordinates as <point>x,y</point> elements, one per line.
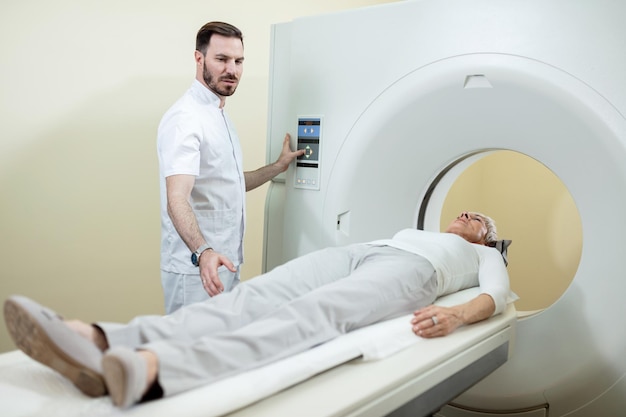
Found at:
<point>470,227</point>
<point>221,68</point>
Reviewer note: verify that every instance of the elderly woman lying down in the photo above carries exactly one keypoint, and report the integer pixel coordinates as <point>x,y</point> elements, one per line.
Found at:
<point>296,306</point>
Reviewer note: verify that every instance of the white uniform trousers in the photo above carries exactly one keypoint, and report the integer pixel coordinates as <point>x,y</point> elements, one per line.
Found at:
<point>184,289</point>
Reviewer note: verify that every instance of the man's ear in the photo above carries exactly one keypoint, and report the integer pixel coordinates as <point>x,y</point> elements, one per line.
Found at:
<point>198,57</point>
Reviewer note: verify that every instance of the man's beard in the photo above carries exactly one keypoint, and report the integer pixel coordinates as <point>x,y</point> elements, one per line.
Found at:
<point>229,90</point>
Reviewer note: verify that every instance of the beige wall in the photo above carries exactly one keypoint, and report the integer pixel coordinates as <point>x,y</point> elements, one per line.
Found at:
<point>83,87</point>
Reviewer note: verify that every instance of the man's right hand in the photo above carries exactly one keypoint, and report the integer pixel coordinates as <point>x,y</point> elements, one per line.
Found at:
<point>209,262</point>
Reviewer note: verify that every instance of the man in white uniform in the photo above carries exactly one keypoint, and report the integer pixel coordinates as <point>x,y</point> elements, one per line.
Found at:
<point>294,307</point>
<point>202,181</point>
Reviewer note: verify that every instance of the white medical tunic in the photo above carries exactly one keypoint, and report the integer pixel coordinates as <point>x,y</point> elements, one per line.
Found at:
<point>196,137</point>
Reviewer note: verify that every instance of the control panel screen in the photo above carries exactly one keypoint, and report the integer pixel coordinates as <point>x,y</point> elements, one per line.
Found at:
<point>309,139</point>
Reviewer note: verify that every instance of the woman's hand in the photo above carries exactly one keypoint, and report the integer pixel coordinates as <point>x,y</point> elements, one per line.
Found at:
<point>435,321</point>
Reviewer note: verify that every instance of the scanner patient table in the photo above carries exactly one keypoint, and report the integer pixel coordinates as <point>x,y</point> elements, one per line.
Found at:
<point>369,372</point>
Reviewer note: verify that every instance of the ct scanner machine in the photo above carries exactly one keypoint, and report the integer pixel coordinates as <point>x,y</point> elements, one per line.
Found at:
<point>391,103</point>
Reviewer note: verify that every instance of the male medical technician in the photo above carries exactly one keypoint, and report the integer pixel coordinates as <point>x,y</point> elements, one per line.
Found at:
<point>202,181</point>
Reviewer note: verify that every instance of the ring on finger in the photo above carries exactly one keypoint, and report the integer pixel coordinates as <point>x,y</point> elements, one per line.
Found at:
<point>434,319</point>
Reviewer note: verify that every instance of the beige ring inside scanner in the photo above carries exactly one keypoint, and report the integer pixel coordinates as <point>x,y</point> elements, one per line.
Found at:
<point>569,354</point>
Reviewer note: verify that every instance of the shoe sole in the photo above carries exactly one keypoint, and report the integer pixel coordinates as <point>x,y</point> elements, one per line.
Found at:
<point>115,375</point>
<point>31,338</point>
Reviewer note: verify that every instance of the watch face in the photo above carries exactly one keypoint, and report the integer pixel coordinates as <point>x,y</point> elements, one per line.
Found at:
<point>194,259</point>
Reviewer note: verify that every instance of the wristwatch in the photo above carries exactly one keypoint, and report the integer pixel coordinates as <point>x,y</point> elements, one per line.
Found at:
<point>195,257</point>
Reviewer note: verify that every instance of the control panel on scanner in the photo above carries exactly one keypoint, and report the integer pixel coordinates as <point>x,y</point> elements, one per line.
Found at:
<point>308,165</point>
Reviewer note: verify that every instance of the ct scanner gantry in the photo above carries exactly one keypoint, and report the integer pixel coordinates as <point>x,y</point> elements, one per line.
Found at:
<point>404,95</point>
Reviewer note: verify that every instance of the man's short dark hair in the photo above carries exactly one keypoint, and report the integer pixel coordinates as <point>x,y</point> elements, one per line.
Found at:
<point>220,28</point>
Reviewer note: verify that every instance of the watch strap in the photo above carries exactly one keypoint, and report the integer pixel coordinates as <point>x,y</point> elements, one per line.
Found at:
<point>195,257</point>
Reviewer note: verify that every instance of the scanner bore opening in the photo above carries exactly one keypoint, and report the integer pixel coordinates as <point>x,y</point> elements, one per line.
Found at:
<point>531,206</point>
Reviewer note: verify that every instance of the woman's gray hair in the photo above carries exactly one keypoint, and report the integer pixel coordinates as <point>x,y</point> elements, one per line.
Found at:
<point>492,233</point>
